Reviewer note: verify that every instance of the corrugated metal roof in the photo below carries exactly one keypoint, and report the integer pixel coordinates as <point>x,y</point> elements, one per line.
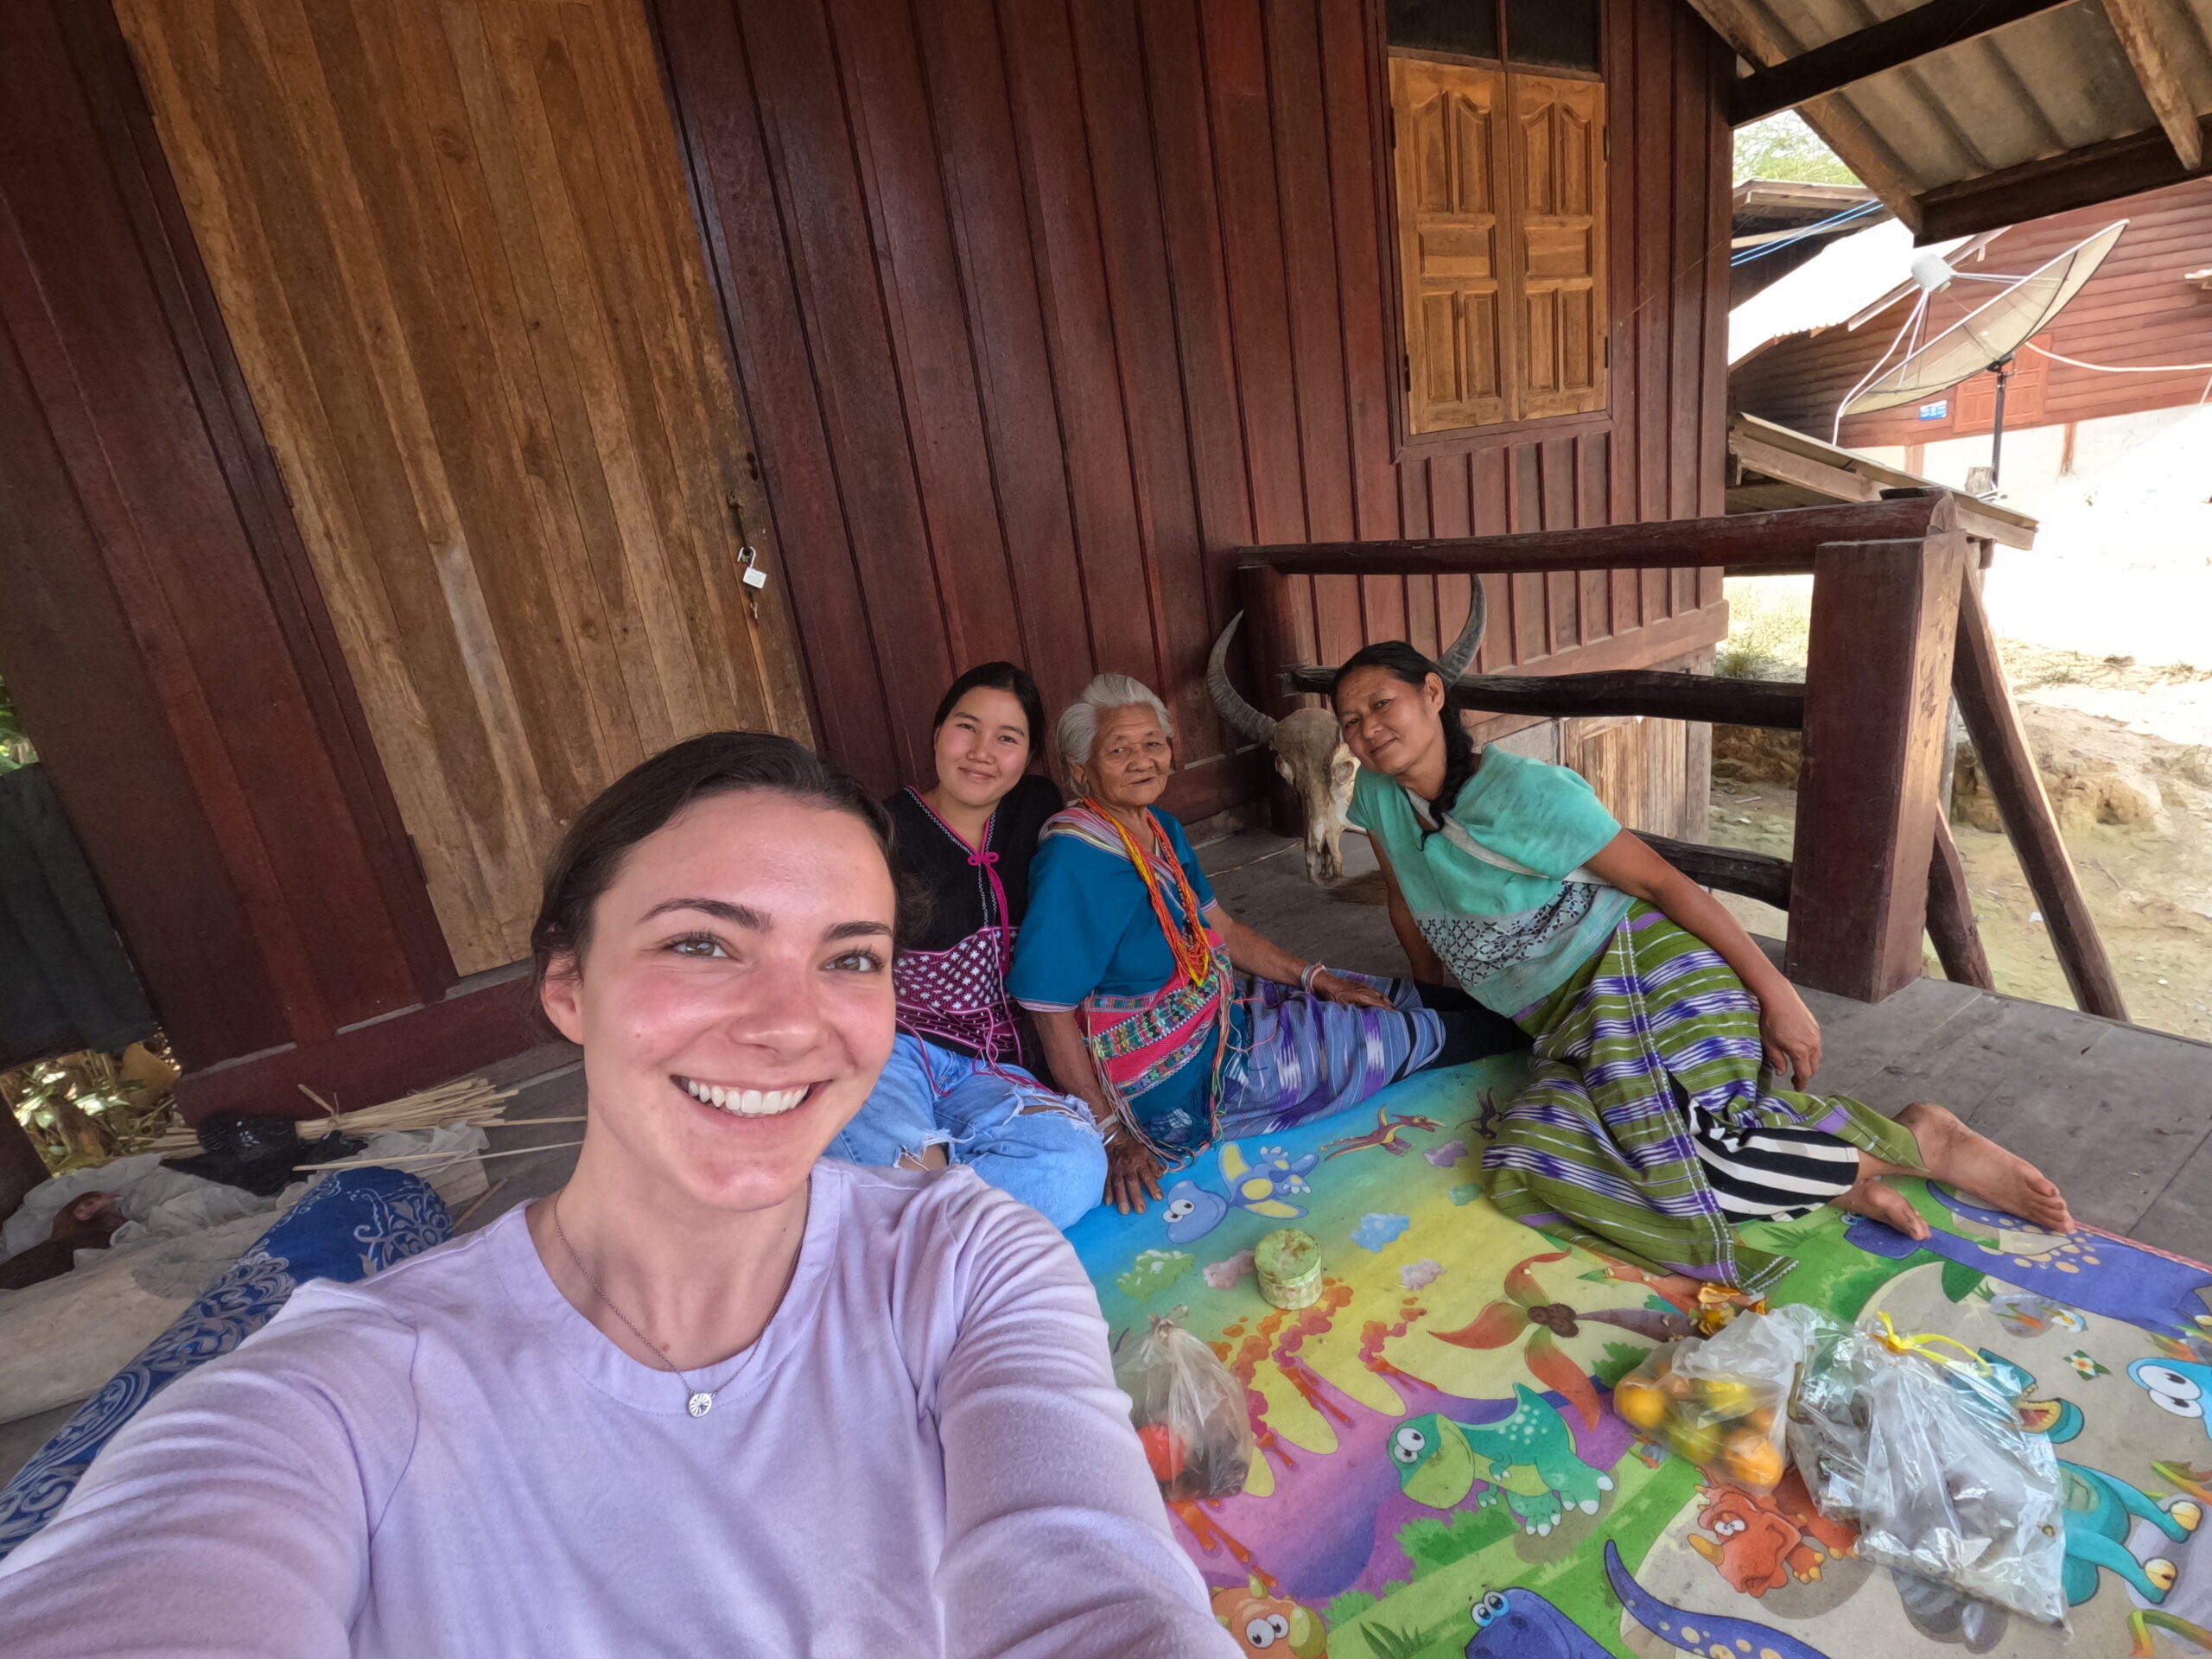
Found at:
<point>2059,81</point>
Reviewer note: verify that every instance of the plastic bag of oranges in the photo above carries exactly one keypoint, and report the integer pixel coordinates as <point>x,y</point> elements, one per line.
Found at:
<point>1189,1412</point>
<point>1718,1401</point>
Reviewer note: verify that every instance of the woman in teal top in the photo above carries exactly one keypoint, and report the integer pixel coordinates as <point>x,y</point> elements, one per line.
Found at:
<point>1666,1105</point>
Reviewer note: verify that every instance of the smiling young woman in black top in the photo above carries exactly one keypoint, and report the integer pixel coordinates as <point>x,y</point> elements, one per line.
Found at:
<point>961,1084</point>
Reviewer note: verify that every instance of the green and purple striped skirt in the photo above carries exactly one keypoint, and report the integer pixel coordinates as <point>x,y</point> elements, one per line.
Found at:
<point>1596,1149</point>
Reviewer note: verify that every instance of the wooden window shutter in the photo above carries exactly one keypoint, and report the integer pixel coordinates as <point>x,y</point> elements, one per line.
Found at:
<point>1558,153</point>
<point>1450,178</point>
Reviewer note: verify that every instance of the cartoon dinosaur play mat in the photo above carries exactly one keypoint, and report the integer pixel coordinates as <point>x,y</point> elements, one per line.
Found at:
<point>1440,1472</point>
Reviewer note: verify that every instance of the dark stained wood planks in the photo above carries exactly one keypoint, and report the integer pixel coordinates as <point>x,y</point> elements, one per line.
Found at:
<point>1137,289</point>
<point>452,245</point>
<point>1778,704</point>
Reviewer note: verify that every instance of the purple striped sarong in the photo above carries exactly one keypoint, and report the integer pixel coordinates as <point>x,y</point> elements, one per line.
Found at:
<point>1300,1058</point>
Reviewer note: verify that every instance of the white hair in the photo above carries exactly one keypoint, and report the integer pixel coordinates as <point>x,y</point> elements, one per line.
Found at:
<point>1077,734</point>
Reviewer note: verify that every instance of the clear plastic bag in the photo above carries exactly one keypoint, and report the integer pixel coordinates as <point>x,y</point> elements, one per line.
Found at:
<point>1926,1452</point>
<point>1189,1410</point>
<point>1718,1402</point>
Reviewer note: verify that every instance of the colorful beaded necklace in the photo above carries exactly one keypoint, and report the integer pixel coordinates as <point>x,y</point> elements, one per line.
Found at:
<point>1192,948</point>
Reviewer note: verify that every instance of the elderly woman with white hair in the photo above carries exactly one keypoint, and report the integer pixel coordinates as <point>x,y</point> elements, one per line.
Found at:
<point>1174,1021</point>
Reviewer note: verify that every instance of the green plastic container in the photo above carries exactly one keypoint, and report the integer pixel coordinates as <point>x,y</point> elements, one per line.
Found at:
<point>1289,1264</point>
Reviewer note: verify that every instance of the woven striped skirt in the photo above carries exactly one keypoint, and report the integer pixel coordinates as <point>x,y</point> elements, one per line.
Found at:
<point>1653,1035</point>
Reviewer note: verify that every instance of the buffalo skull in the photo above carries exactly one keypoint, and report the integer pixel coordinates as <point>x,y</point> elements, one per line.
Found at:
<point>1310,753</point>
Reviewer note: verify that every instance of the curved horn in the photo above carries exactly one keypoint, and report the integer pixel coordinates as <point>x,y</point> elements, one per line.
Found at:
<point>1234,709</point>
<point>1453,663</point>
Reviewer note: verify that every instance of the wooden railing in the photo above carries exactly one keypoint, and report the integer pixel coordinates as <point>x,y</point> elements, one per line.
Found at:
<point>1898,627</point>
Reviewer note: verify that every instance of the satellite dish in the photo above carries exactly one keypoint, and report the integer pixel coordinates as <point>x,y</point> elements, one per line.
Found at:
<point>1984,339</point>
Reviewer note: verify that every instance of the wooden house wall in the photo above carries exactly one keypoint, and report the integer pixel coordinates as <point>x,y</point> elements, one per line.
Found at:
<point>2136,309</point>
<point>1042,309</point>
<point>165,639</point>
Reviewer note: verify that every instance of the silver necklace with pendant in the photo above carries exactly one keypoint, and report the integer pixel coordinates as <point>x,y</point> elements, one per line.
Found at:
<point>700,1401</point>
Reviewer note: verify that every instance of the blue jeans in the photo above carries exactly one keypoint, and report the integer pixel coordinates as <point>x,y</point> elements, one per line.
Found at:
<point>1007,1127</point>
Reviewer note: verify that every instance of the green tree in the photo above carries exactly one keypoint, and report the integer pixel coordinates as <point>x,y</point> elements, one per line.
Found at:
<point>1783,147</point>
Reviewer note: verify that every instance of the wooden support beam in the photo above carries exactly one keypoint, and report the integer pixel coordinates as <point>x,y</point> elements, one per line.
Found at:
<point>1656,694</point>
<point>1782,541</point>
<point>1950,914</point>
<point>1273,634</point>
<point>1878,668</point>
<point>1756,875</point>
<point>2001,748</point>
<point>1762,42</point>
<point>2057,184</point>
<point>1890,44</point>
<point>1852,477</point>
<point>1272,637</point>
<point>2142,36</point>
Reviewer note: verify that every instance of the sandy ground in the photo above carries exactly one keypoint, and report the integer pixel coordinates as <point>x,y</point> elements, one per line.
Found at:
<point>2161,947</point>
<point>2122,564</point>
<point>2109,641</point>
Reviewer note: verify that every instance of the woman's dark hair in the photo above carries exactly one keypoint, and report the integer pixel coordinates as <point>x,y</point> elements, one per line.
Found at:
<point>643,799</point>
<point>1000,677</point>
<point>1401,662</point>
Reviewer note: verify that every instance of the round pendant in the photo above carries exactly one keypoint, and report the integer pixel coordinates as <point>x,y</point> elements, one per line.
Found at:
<point>701,1403</point>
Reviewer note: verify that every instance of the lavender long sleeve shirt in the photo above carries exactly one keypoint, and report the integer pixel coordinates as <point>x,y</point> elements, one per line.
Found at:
<point>923,1453</point>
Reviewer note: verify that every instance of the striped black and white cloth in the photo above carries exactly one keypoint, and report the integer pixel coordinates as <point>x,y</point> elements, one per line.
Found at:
<point>1764,1175</point>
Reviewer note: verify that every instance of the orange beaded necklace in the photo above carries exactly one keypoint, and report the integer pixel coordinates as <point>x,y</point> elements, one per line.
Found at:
<point>1192,948</point>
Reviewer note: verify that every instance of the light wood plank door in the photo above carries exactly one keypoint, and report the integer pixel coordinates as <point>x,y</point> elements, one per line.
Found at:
<point>453,247</point>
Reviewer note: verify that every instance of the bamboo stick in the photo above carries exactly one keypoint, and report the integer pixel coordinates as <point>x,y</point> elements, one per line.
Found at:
<point>407,1157</point>
<point>470,1101</point>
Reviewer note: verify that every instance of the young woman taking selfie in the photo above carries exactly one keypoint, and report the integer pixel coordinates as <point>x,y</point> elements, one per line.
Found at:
<point>718,1395</point>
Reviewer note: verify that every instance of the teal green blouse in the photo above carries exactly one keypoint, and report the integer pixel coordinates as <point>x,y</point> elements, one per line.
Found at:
<point>1509,938</point>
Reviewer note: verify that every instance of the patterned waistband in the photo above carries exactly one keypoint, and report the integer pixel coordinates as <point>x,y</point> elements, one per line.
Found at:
<point>959,994</point>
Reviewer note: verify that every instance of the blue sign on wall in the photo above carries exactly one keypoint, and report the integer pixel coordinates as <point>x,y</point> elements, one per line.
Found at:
<point>1935,411</point>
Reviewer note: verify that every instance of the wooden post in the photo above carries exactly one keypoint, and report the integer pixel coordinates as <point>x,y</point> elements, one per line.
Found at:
<point>1950,915</point>
<point>1271,628</point>
<point>2001,745</point>
<point>1878,677</point>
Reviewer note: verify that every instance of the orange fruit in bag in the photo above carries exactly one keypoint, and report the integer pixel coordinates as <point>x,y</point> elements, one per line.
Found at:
<point>1751,1458</point>
<point>1640,1402</point>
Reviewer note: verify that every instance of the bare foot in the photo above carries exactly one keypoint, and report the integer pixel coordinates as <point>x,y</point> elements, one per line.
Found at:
<point>1984,1170</point>
<point>1876,1199</point>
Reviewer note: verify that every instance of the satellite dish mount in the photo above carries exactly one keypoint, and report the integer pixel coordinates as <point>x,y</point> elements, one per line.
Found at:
<point>1985,339</point>
<point>2002,368</point>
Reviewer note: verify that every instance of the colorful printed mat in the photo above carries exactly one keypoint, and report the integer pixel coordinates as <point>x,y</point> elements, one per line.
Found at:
<point>1577,1540</point>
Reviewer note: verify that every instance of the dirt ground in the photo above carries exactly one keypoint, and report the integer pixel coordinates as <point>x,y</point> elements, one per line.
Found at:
<point>2126,749</point>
